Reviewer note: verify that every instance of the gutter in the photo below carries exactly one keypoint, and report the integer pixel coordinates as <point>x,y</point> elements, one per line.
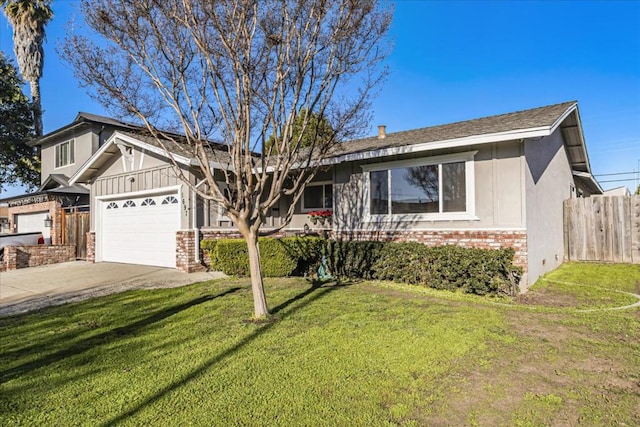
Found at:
<point>194,220</point>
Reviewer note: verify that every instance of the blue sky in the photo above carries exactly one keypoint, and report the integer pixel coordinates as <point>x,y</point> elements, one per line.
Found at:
<point>459,60</point>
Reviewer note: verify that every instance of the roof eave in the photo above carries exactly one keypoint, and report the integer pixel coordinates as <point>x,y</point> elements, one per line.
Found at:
<point>85,172</point>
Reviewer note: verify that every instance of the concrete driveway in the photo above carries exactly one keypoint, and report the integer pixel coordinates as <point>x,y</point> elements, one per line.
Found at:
<point>33,288</point>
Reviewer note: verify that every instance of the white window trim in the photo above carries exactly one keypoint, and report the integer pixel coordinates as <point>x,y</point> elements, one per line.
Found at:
<point>58,147</point>
<point>315,184</point>
<point>466,157</point>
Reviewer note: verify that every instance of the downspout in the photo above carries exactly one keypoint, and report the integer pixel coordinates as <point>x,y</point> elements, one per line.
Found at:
<point>194,220</point>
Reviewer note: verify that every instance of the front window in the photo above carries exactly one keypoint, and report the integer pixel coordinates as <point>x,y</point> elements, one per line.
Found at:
<point>430,188</point>
<point>317,196</point>
<point>65,154</point>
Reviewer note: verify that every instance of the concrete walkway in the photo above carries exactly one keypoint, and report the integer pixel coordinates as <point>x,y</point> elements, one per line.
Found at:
<point>33,288</point>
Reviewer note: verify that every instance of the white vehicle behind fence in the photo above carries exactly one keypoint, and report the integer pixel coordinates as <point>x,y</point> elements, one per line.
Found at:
<point>20,239</point>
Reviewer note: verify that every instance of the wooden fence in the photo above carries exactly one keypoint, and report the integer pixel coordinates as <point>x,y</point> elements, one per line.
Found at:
<point>602,229</point>
<point>75,227</point>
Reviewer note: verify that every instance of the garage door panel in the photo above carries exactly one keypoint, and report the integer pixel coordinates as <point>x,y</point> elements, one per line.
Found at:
<point>140,234</point>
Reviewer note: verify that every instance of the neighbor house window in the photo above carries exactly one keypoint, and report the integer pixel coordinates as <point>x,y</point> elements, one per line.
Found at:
<point>435,187</point>
<point>317,196</point>
<point>65,153</point>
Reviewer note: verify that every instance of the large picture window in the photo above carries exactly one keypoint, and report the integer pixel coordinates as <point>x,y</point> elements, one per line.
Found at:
<point>436,187</point>
<point>65,154</point>
<point>317,196</point>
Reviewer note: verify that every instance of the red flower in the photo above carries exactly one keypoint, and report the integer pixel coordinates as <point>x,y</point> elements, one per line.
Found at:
<point>321,214</point>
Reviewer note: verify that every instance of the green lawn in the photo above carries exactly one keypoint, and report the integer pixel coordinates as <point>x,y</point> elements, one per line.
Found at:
<point>367,353</point>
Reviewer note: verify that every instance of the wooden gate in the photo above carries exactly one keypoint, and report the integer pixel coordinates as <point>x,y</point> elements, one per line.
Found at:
<point>75,222</point>
<point>602,229</point>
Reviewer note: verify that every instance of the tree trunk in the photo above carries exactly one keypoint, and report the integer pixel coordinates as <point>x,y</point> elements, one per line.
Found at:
<point>260,309</point>
<point>37,107</point>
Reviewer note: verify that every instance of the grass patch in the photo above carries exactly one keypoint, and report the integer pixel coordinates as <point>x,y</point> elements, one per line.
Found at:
<point>621,277</point>
<point>586,286</point>
<point>355,354</point>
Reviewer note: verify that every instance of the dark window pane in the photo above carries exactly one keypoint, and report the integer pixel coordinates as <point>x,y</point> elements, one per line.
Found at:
<point>454,195</point>
<point>313,197</point>
<point>414,190</point>
<point>328,196</point>
<point>379,193</point>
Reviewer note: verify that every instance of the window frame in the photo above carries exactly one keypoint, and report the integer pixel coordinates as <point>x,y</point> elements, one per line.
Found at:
<point>71,154</point>
<point>467,157</point>
<point>322,184</point>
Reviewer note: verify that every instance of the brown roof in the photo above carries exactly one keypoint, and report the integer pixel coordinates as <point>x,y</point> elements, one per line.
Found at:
<point>217,152</point>
<point>519,120</point>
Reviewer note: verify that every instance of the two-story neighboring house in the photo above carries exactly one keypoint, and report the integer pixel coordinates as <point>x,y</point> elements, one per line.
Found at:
<point>62,151</point>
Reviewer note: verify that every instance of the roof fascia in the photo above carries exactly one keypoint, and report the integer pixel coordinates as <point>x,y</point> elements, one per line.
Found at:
<point>152,148</point>
<point>91,160</point>
<point>563,116</point>
<point>127,140</point>
<point>450,143</point>
<point>590,177</point>
<point>57,132</point>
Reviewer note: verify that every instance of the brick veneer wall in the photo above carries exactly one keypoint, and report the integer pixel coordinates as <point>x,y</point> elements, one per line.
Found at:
<point>52,206</point>
<point>32,256</point>
<point>186,252</point>
<point>484,239</point>
<point>91,246</point>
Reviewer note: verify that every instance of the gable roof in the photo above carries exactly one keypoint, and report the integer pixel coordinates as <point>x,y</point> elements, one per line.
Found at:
<point>533,123</point>
<point>181,153</point>
<point>502,127</point>
<point>82,120</point>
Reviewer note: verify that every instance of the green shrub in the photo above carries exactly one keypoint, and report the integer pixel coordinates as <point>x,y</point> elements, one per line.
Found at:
<point>231,257</point>
<point>208,246</point>
<point>351,259</point>
<point>472,270</point>
<point>403,262</point>
<point>307,251</point>
<point>275,259</point>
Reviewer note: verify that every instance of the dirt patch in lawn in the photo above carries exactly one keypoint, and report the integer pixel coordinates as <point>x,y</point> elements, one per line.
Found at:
<point>544,378</point>
<point>549,298</point>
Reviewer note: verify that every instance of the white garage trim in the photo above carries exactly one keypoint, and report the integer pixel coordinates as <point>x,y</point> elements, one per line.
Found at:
<point>131,230</point>
<point>173,189</point>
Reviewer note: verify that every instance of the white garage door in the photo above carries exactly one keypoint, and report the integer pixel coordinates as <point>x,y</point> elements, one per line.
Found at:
<point>27,223</point>
<point>140,230</point>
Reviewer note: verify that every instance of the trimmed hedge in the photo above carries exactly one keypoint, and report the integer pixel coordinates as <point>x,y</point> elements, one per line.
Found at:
<point>231,257</point>
<point>471,270</point>
<point>306,252</point>
<point>352,259</point>
<point>403,262</point>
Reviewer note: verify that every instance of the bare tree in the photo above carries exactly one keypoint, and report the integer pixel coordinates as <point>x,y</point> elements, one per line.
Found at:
<point>238,71</point>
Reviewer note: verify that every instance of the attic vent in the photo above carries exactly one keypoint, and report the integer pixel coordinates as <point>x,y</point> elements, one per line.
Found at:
<point>382,132</point>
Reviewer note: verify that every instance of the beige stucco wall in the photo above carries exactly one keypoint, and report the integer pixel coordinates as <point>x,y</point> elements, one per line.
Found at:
<point>548,184</point>
<point>88,139</point>
<point>499,189</point>
<point>85,140</point>
<point>146,172</point>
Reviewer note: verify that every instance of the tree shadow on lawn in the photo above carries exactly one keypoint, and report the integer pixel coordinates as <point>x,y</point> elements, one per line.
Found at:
<point>91,342</point>
<point>322,291</point>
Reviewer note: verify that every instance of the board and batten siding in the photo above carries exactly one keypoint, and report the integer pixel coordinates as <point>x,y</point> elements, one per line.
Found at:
<point>138,182</point>
<point>605,228</point>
